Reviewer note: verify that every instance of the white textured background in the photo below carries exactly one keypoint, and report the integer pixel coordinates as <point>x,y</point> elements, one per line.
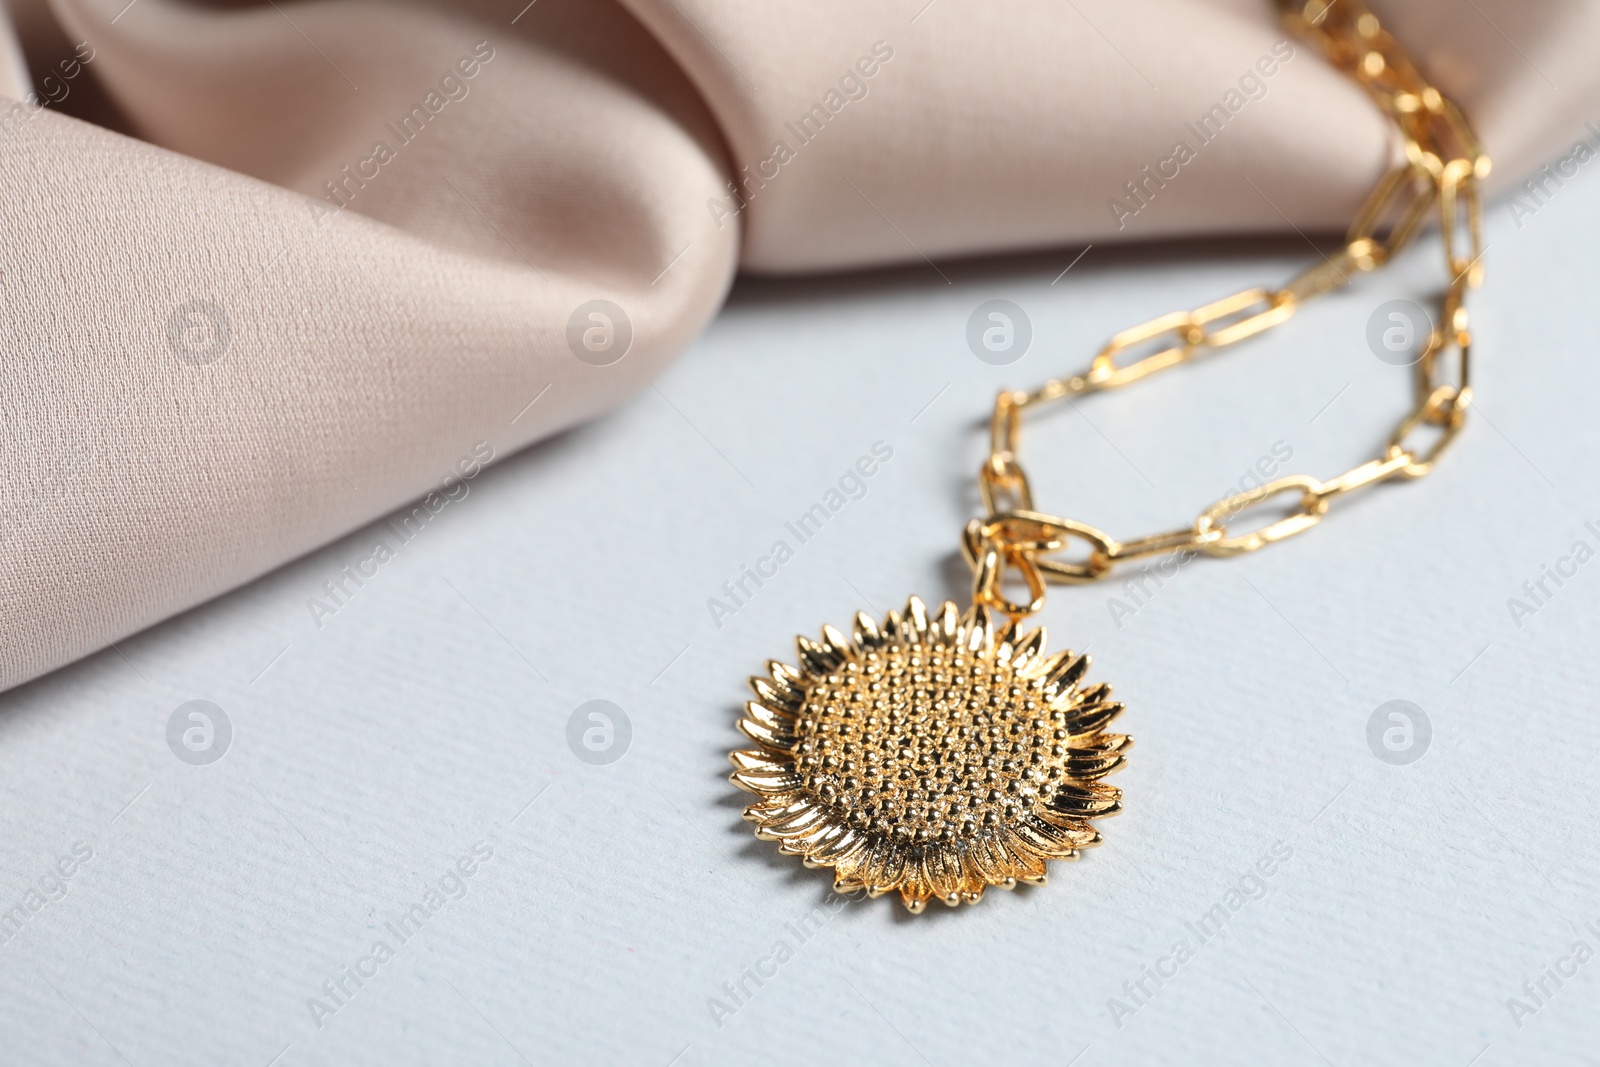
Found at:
<point>428,713</point>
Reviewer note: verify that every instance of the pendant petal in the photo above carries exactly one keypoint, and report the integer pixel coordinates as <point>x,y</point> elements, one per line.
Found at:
<point>915,884</point>
<point>1091,766</point>
<point>1087,801</point>
<point>1095,694</point>
<point>1048,841</point>
<point>1076,832</point>
<point>772,784</point>
<point>779,698</point>
<point>817,661</point>
<point>787,678</point>
<point>841,849</point>
<point>838,644</point>
<point>866,631</point>
<point>765,735</point>
<point>889,865</point>
<point>768,717</point>
<point>945,876</point>
<point>767,810</point>
<point>1005,636</point>
<point>993,864</point>
<point>894,628</point>
<point>821,840</point>
<point>1029,865</point>
<point>1091,718</point>
<point>797,824</point>
<point>804,843</point>
<point>972,874</point>
<point>760,762</point>
<point>1029,646</point>
<point>1101,745</point>
<point>977,629</point>
<point>1063,671</point>
<point>916,620</point>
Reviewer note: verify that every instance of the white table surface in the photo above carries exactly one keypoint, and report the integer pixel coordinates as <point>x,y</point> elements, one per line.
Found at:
<point>431,711</point>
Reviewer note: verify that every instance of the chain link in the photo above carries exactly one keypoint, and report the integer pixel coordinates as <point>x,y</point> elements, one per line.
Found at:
<point>1442,167</point>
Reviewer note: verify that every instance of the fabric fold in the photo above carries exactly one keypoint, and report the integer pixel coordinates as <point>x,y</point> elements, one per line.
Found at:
<point>333,247</point>
<point>208,374</point>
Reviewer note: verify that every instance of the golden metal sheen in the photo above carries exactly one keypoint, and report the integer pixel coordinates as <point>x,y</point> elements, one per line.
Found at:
<point>1440,166</point>
<point>935,755</point>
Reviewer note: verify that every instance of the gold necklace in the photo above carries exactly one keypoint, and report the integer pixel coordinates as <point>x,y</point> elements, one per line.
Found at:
<point>938,753</point>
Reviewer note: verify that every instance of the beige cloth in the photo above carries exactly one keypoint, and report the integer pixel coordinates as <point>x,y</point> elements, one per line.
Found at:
<point>210,366</point>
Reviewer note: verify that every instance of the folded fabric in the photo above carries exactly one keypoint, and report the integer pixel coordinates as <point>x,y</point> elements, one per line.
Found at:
<point>308,255</point>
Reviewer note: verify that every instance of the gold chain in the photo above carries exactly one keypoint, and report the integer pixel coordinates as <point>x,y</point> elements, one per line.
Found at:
<point>1443,165</point>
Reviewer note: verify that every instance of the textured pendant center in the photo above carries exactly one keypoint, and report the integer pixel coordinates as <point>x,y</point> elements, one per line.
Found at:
<point>928,744</point>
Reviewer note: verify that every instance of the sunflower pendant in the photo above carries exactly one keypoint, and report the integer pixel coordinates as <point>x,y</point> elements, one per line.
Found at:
<point>934,755</point>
